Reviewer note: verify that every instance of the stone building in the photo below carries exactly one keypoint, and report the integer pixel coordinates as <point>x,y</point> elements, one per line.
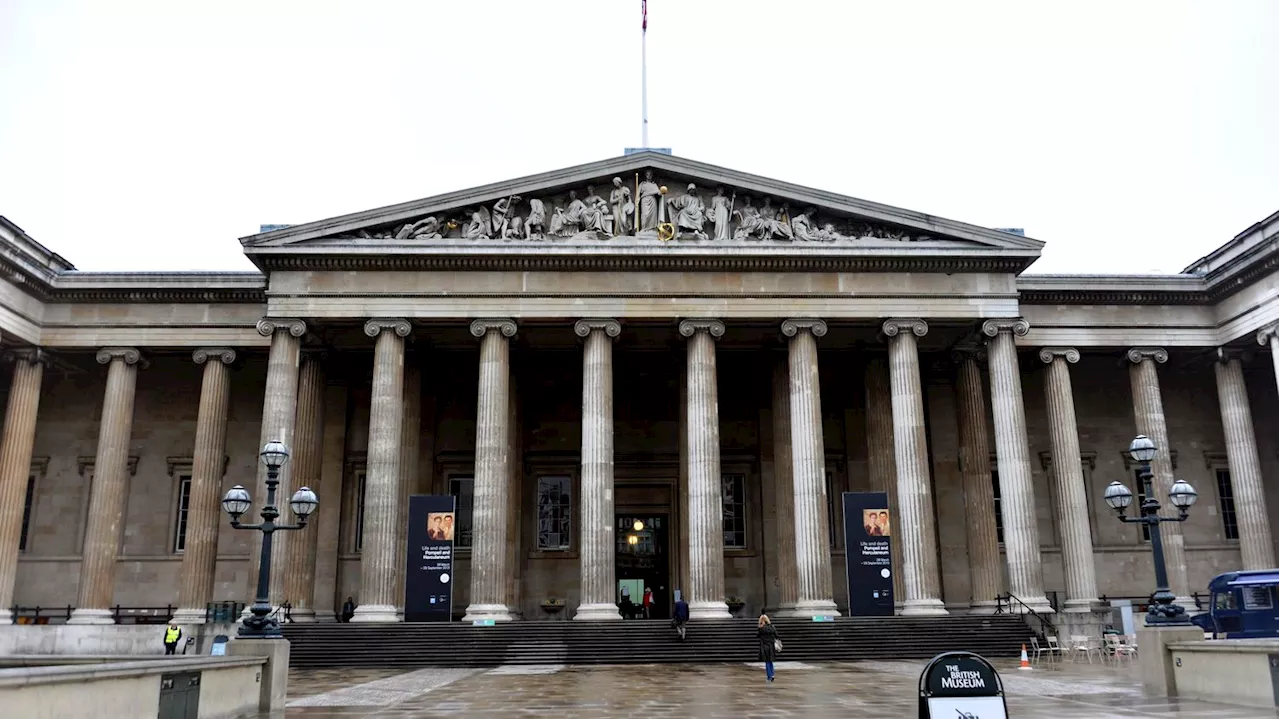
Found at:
<point>713,355</point>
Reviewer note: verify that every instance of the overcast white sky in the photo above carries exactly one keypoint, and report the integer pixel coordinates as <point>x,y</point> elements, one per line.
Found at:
<point>1130,136</point>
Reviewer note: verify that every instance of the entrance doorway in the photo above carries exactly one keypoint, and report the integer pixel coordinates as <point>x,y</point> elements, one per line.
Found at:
<point>642,563</point>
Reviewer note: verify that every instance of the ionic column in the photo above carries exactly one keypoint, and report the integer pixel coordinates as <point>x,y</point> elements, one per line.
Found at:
<point>1267,337</point>
<point>379,550</point>
<point>410,436</point>
<point>1257,550</point>
<point>15,464</point>
<point>1013,462</point>
<point>985,577</point>
<point>208,462</point>
<point>108,490</point>
<point>1068,479</point>
<point>279,403</point>
<point>881,469</point>
<point>706,510</point>
<point>1148,412</point>
<point>597,545</point>
<point>921,594</point>
<point>808,470</point>
<point>784,488</point>
<point>308,449</point>
<point>492,475</point>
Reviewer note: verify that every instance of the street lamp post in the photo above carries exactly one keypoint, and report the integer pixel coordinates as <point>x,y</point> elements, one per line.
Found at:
<point>258,625</point>
<point>1162,611</point>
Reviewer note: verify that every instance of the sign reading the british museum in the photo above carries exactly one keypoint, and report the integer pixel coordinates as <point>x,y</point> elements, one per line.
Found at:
<point>428,582</point>
<point>868,563</point>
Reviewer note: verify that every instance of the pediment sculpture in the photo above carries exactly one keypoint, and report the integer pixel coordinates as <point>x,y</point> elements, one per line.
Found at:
<point>643,209</point>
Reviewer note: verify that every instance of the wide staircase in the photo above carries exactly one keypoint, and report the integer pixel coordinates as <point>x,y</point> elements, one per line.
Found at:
<point>647,641</point>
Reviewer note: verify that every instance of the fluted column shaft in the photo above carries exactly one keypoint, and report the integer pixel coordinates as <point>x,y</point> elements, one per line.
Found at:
<point>1013,462</point>
<point>1148,411</point>
<point>379,549</point>
<point>15,466</point>
<point>1257,550</point>
<point>706,510</point>
<point>1073,505</point>
<point>1269,336</point>
<point>784,487</point>
<point>107,492</point>
<point>809,471</point>
<point>308,449</point>
<point>881,465</point>
<point>597,546</point>
<point>921,593</point>
<point>208,461</point>
<point>410,429</point>
<point>492,475</point>
<point>985,578</point>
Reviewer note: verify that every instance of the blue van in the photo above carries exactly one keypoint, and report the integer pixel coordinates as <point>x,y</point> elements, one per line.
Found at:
<point>1242,605</point>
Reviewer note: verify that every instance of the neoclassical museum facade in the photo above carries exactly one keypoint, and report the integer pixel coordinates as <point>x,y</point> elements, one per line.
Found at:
<point>643,342</point>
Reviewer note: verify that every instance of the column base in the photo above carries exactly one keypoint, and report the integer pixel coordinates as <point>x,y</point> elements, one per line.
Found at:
<point>815,608</point>
<point>6,616</point>
<point>189,615</point>
<point>785,609</point>
<point>1187,603</point>
<point>481,612</point>
<point>375,613</point>
<point>303,616</point>
<point>1078,606</point>
<point>709,610</point>
<point>597,613</point>
<point>924,608</point>
<point>91,616</point>
<point>983,607</point>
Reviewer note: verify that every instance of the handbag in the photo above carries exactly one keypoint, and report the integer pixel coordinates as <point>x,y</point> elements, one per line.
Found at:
<point>777,646</point>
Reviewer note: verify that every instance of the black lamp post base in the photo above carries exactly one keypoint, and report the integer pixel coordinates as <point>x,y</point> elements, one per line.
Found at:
<point>259,627</point>
<point>1167,615</point>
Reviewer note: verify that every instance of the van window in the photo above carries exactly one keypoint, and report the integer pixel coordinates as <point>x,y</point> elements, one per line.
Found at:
<point>1257,597</point>
<point>1224,601</point>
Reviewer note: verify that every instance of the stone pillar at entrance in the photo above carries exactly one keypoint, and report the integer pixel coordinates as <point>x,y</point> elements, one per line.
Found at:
<point>410,435</point>
<point>1267,337</point>
<point>1073,505</point>
<point>492,473</point>
<point>108,489</point>
<point>809,471</point>
<point>1148,411</point>
<point>208,461</point>
<point>706,513</point>
<point>308,450</point>
<point>1257,550</point>
<point>378,563</point>
<point>784,495</point>
<point>15,465</point>
<point>921,596</point>
<point>1017,492</point>
<point>985,577</point>
<point>881,468</point>
<point>597,545</point>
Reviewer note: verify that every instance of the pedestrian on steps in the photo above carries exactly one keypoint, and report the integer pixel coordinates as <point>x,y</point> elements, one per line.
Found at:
<point>680,616</point>
<point>770,645</point>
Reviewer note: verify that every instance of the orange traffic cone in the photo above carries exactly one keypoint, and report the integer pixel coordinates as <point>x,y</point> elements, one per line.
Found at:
<point>1024,664</point>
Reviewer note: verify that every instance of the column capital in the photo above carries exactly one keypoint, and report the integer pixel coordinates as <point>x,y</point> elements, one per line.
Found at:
<point>715,328</point>
<point>130,355</point>
<point>506,326</point>
<point>225,355</point>
<point>1266,333</point>
<point>378,325</point>
<point>1016,325</point>
<point>30,355</point>
<point>1223,355</point>
<point>893,326</point>
<point>791,327</point>
<point>268,326</point>
<point>1049,354</point>
<point>964,353</point>
<point>1137,354</point>
<point>611,328</point>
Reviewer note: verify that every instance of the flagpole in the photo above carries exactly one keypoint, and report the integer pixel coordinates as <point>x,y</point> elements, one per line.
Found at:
<point>644,75</point>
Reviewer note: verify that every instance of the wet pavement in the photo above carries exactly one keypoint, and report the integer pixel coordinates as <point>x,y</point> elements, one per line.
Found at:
<point>870,689</point>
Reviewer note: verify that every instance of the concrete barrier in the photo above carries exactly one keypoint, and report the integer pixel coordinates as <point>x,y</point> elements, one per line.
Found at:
<point>1234,671</point>
<point>102,639</point>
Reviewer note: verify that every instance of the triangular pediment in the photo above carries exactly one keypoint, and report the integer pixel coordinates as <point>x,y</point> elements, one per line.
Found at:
<point>641,199</point>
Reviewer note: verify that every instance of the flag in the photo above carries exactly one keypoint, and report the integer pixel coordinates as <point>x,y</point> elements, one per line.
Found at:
<point>644,15</point>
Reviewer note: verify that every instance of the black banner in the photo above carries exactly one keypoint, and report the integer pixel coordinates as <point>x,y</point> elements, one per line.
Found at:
<point>428,583</point>
<point>867,559</point>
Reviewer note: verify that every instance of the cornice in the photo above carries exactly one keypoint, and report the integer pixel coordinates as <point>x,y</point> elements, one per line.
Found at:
<point>1183,289</point>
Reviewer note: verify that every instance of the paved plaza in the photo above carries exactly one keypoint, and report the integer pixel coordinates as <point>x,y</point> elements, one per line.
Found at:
<point>847,689</point>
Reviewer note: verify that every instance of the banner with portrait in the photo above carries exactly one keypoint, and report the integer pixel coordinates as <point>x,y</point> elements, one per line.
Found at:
<point>428,582</point>
<point>868,556</point>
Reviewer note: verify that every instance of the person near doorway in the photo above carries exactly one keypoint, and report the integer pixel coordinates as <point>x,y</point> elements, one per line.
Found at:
<point>647,603</point>
<point>628,609</point>
<point>171,636</point>
<point>348,610</point>
<point>680,617</point>
<point>767,636</point>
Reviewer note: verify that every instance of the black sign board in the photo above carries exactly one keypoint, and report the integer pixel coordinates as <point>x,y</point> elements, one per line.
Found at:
<point>867,558</point>
<point>428,582</point>
<point>961,685</point>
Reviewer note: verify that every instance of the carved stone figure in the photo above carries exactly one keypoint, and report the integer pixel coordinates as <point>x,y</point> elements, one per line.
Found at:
<point>479,226</point>
<point>776,224</point>
<point>649,199</point>
<point>427,228</point>
<point>831,233</point>
<point>750,225</point>
<point>719,214</point>
<point>503,213</point>
<point>623,209</point>
<point>595,214</point>
<point>690,214</point>
<point>535,225</point>
<point>567,222</point>
<point>802,228</point>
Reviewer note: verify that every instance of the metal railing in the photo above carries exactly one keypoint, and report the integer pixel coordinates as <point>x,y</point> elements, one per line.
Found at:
<point>41,615</point>
<point>142,615</point>
<point>1142,602</point>
<point>215,612</point>
<point>1005,604</point>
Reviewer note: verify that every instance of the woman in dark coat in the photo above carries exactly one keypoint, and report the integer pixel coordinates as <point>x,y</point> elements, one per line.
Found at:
<point>767,636</point>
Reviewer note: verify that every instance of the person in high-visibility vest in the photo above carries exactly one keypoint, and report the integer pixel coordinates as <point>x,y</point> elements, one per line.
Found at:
<point>171,636</point>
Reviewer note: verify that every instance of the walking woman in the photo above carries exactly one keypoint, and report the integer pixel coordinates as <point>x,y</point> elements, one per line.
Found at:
<point>767,636</point>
